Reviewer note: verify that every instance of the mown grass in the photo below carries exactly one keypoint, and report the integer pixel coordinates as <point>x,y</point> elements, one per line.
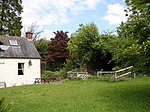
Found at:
<point>81,96</point>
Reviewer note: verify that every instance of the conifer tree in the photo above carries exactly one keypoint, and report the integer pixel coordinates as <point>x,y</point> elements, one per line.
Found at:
<point>10,17</point>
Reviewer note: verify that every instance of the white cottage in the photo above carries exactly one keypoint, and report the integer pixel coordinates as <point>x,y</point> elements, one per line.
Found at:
<point>19,60</point>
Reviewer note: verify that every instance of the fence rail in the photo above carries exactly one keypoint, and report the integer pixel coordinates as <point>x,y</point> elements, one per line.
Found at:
<point>123,75</point>
<point>104,72</point>
<point>123,69</point>
<point>115,73</point>
<point>83,75</point>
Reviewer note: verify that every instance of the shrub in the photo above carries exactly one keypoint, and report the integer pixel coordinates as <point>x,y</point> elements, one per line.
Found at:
<point>54,75</point>
<point>61,73</point>
<point>47,73</point>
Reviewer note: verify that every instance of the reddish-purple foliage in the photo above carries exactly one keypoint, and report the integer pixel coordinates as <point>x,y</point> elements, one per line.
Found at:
<point>57,49</point>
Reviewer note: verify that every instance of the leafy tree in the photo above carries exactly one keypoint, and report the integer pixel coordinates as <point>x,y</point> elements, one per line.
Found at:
<point>10,17</point>
<point>41,46</point>
<point>81,43</point>
<point>137,31</point>
<point>57,50</point>
<point>117,46</point>
<point>137,26</point>
<point>106,50</point>
<point>88,48</point>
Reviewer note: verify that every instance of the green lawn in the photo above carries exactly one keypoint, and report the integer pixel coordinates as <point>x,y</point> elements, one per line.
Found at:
<point>81,96</point>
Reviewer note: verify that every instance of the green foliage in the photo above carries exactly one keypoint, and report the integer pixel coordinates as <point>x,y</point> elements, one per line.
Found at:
<point>54,75</point>
<point>137,32</point>
<point>117,47</point>
<point>47,73</point>
<point>10,17</point>
<point>116,68</point>
<point>89,49</point>
<point>3,106</point>
<point>80,44</point>
<point>41,46</point>
<point>60,73</point>
<point>70,65</point>
<point>105,47</point>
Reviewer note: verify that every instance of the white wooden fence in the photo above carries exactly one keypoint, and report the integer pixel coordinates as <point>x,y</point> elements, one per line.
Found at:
<point>82,75</point>
<point>117,74</point>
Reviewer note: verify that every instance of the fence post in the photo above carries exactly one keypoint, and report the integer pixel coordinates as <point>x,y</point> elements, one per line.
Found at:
<point>86,73</point>
<point>115,74</point>
<point>98,73</point>
<point>134,75</point>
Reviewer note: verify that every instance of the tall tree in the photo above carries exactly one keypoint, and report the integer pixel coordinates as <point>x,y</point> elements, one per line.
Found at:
<point>137,31</point>
<point>81,44</point>
<point>57,50</point>
<point>87,47</point>
<point>41,46</point>
<point>10,17</point>
<point>138,23</point>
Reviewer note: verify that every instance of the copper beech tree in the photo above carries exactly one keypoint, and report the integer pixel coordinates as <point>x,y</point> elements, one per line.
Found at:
<point>57,52</point>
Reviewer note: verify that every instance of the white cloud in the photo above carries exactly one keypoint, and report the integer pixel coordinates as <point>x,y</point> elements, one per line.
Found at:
<point>48,34</point>
<point>115,14</point>
<point>51,12</point>
<point>92,3</point>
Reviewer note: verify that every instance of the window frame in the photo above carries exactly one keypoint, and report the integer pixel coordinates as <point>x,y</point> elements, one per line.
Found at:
<point>21,69</point>
<point>13,42</point>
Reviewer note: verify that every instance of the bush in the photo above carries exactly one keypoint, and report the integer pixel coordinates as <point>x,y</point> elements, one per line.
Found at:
<point>70,65</point>
<point>61,73</point>
<point>47,73</point>
<point>54,75</point>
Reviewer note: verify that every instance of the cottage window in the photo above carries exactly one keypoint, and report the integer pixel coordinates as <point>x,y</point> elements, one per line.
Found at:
<point>20,68</point>
<point>13,42</point>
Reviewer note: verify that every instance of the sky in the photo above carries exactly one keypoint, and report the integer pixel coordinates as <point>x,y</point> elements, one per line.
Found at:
<point>66,15</point>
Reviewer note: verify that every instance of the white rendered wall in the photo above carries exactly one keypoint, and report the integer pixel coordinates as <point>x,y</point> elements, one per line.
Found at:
<point>9,71</point>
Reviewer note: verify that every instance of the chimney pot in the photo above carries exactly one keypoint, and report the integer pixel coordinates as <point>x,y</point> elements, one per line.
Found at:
<point>29,35</point>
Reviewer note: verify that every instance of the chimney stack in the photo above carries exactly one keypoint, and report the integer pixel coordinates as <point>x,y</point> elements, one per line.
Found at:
<point>29,34</point>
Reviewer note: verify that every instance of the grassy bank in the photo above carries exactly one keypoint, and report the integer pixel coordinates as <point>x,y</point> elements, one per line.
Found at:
<point>81,96</point>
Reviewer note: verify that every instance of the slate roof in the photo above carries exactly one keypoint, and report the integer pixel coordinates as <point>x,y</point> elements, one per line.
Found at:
<point>24,49</point>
